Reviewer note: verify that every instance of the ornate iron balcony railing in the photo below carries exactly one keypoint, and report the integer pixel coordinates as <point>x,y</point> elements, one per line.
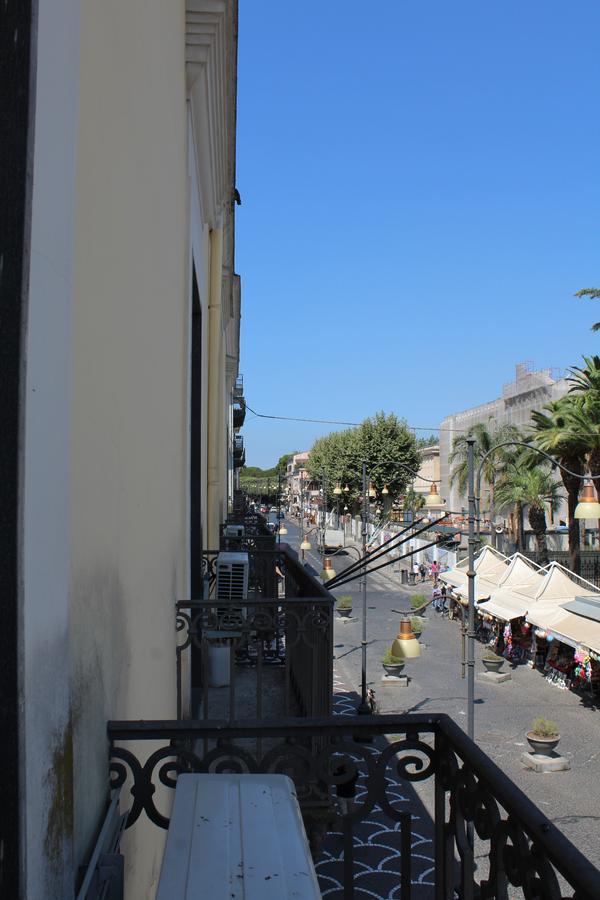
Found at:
<point>446,804</point>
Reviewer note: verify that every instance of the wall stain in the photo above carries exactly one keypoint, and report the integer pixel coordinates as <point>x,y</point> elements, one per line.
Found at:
<point>59,782</point>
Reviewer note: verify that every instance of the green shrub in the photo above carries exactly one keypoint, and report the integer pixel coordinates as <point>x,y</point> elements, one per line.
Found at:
<point>418,600</point>
<point>544,727</point>
<point>388,659</point>
<point>493,657</point>
<point>344,602</point>
<point>417,623</point>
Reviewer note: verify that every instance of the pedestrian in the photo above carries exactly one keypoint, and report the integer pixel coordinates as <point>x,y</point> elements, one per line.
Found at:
<point>436,597</point>
<point>435,570</point>
<point>416,570</point>
<point>422,571</point>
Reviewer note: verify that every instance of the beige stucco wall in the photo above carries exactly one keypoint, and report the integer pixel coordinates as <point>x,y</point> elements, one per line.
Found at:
<point>129,438</point>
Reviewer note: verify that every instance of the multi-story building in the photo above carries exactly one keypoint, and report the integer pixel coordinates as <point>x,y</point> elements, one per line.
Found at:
<point>121,312</point>
<point>429,470</point>
<point>529,391</point>
<point>297,476</point>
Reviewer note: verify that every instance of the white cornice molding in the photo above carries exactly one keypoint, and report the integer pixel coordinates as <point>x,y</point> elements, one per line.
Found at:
<point>210,57</point>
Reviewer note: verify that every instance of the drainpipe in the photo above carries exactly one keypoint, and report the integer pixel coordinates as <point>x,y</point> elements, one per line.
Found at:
<point>215,391</point>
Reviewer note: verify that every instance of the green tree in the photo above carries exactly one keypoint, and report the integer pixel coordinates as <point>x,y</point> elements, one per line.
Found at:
<point>555,431</point>
<point>486,439</point>
<point>378,440</point>
<point>593,294</point>
<point>532,487</point>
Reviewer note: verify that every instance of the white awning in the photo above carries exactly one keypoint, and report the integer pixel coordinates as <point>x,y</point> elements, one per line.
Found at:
<point>517,590</point>
<point>558,587</point>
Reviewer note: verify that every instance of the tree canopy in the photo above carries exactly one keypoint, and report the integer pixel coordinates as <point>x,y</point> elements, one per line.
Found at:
<point>382,441</point>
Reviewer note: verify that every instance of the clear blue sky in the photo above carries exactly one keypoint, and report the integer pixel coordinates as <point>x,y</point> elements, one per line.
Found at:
<point>420,196</point>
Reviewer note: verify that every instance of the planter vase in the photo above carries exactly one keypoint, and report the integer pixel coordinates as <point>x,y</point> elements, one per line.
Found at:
<point>492,665</point>
<point>345,612</point>
<point>393,670</point>
<point>543,746</point>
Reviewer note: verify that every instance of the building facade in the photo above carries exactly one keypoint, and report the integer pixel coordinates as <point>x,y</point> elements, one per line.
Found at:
<point>529,391</point>
<point>122,363</point>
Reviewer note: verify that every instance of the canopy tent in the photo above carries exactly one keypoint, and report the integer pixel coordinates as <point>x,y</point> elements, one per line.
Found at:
<point>516,591</point>
<point>490,565</point>
<point>558,587</point>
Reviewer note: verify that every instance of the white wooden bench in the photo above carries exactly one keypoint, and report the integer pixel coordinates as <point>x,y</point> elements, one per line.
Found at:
<point>236,837</point>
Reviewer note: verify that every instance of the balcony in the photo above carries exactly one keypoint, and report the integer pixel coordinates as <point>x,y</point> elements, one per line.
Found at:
<point>239,414</point>
<point>396,806</point>
<point>279,639</point>
<point>238,388</point>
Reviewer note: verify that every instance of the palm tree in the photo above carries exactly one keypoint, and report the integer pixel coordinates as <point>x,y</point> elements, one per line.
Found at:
<point>532,488</point>
<point>555,432</point>
<point>585,414</point>
<point>485,441</point>
<point>593,294</point>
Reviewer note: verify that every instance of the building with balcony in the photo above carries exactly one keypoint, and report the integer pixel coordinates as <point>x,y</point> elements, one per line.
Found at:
<point>120,434</point>
<point>122,320</point>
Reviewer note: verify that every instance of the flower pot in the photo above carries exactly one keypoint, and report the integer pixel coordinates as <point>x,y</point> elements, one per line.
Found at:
<point>492,665</point>
<point>543,746</point>
<point>345,611</point>
<point>394,669</point>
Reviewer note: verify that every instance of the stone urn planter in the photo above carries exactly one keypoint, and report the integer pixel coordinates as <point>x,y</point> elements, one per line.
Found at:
<point>543,737</point>
<point>344,606</point>
<point>392,665</point>
<point>543,746</point>
<point>393,669</point>
<point>492,664</point>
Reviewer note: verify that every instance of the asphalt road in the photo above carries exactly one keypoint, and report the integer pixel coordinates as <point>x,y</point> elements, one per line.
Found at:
<point>503,713</point>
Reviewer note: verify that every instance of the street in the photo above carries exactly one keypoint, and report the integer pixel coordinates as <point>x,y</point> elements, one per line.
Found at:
<point>503,712</point>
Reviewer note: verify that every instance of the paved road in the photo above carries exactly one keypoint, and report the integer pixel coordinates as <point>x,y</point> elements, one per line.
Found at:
<point>503,712</point>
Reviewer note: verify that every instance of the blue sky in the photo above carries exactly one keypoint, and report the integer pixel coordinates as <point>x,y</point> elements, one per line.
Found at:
<point>420,197</point>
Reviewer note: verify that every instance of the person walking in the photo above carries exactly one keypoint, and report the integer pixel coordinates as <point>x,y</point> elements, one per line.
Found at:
<point>435,571</point>
<point>422,571</point>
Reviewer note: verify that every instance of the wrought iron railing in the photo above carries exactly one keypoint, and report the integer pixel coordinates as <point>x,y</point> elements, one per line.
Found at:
<point>286,621</point>
<point>295,635</point>
<point>455,821</point>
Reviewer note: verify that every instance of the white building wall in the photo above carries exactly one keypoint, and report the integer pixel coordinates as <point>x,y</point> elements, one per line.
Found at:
<point>530,390</point>
<point>129,434</point>
<point>47,765</point>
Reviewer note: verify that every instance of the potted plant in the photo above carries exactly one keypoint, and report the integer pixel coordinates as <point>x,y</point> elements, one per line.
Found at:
<point>417,601</point>
<point>543,736</point>
<point>417,623</point>
<point>393,665</point>
<point>343,605</point>
<point>492,662</point>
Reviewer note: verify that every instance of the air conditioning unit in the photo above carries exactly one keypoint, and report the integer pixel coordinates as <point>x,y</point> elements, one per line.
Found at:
<point>235,531</point>
<point>232,576</point>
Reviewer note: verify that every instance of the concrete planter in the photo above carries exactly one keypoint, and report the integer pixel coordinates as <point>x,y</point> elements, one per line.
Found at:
<point>345,612</point>
<point>542,746</point>
<point>393,670</point>
<point>492,665</point>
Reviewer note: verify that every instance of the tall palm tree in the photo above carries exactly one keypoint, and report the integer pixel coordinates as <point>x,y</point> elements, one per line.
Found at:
<point>585,414</point>
<point>555,432</point>
<point>532,488</point>
<point>593,294</point>
<point>486,438</point>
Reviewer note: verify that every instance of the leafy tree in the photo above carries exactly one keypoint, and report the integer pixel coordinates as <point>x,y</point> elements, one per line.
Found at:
<point>554,431</point>
<point>281,467</point>
<point>532,487</point>
<point>486,439</point>
<point>593,294</point>
<point>381,441</point>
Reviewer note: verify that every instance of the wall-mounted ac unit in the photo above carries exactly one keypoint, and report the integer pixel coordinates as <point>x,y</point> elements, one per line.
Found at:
<point>235,531</point>
<point>232,576</point>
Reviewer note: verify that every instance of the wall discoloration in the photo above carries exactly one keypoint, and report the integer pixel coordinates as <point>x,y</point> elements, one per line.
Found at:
<point>59,784</point>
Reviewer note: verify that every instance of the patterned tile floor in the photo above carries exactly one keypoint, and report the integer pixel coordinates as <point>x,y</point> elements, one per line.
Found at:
<point>377,839</point>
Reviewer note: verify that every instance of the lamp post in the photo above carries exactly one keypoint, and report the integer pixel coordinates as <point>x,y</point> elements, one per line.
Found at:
<point>368,490</point>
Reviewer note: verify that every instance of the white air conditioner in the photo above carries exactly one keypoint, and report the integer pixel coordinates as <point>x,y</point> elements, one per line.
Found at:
<point>232,576</point>
<point>235,531</point>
